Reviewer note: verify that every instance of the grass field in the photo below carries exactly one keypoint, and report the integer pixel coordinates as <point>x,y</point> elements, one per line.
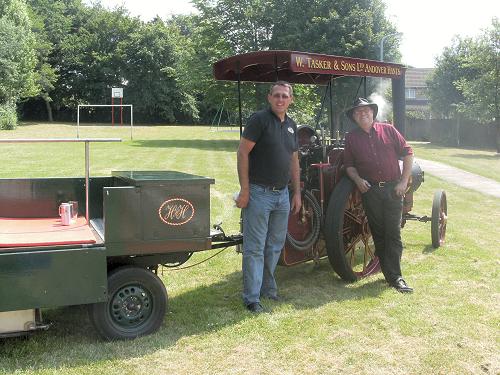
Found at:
<point>483,163</point>
<point>450,325</point>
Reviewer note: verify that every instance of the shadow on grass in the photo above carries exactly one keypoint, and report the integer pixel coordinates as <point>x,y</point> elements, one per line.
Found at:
<point>493,156</point>
<point>306,286</point>
<point>72,342</point>
<point>429,249</point>
<point>201,144</point>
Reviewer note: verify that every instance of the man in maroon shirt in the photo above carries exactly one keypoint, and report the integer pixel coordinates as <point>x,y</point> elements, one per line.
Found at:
<point>371,157</point>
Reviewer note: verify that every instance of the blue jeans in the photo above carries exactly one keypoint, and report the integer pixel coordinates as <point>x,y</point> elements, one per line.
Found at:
<point>265,222</point>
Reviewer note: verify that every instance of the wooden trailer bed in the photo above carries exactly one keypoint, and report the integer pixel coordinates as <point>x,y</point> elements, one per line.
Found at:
<point>29,232</point>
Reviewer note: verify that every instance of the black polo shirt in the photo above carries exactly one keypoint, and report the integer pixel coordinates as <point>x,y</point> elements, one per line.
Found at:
<point>275,142</point>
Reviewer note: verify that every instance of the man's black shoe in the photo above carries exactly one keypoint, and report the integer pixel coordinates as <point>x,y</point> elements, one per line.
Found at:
<point>255,307</point>
<point>400,285</point>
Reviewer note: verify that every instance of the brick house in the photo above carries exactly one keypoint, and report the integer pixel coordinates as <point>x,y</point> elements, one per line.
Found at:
<point>416,90</point>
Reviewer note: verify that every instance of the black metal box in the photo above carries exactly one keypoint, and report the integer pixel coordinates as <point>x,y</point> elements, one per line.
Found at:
<point>149,212</point>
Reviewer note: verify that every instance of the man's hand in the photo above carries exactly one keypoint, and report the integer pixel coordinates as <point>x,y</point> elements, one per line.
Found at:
<point>242,199</point>
<point>362,185</point>
<point>296,203</point>
<point>400,188</point>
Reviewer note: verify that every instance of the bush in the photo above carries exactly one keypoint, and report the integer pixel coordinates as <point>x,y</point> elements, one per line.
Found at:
<point>8,116</point>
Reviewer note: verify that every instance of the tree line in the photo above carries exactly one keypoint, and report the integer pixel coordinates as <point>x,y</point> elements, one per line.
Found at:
<point>466,82</point>
<point>56,54</point>
<point>65,52</point>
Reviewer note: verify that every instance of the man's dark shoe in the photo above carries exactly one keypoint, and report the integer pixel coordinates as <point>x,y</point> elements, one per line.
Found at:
<point>255,307</point>
<point>400,285</point>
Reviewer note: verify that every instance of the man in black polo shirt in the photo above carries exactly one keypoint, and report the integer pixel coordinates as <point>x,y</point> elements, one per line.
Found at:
<point>267,160</point>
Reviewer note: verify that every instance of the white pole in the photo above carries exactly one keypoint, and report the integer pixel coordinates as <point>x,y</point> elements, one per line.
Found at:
<point>382,43</point>
<point>78,122</point>
<point>131,121</point>
<point>87,181</point>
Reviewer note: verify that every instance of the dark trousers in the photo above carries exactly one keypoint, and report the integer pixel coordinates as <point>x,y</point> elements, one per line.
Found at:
<point>383,209</point>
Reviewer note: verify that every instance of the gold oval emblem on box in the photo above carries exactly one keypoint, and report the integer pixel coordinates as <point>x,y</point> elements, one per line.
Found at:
<point>176,211</point>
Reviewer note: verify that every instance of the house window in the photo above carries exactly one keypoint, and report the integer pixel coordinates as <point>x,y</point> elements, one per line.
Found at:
<point>411,93</point>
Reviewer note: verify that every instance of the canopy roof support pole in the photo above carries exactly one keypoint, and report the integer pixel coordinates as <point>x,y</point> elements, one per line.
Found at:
<point>332,125</point>
<point>239,101</point>
<point>318,116</point>
<point>357,91</point>
<point>276,67</point>
<point>399,104</point>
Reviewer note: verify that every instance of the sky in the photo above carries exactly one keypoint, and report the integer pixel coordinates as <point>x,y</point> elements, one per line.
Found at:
<point>427,26</point>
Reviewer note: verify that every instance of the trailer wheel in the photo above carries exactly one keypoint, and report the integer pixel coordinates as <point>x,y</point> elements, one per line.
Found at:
<point>439,218</point>
<point>349,243</point>
<point>136,306</point>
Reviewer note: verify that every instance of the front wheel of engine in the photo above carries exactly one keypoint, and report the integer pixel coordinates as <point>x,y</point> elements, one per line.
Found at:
<point>349,242</point>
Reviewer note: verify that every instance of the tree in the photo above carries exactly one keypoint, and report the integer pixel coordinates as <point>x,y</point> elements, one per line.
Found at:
<point>153,77</point>
<point>52,22</point>
<point>17,59</point>
<point>166,67</point>
<point>346,27</point>
<point>466,82</point>
<point>481,92</point>
<point>86,50</point>
<point>93,55</point>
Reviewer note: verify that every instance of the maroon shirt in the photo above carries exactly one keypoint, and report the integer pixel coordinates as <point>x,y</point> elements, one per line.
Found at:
<point>375,154</point>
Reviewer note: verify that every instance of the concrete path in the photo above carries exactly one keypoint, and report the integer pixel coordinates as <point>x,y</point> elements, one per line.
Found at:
<point>460,177</point>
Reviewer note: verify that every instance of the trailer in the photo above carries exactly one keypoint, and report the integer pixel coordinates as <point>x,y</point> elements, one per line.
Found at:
<point>107,256</point>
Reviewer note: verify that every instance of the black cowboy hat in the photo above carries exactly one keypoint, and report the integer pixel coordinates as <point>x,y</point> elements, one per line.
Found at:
<point>362,102</point>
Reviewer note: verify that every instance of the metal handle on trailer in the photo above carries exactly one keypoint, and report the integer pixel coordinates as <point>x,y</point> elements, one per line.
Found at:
<point>87,156</point>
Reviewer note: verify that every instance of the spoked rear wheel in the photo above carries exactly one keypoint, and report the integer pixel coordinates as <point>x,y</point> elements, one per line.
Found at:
<point>439,218</point>
<point>349,242</point>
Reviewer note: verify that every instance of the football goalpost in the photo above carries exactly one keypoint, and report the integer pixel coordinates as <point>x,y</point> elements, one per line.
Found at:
<point>105,105</point>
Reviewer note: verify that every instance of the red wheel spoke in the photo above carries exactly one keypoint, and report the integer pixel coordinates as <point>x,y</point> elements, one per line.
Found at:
<point>353,216</point>
<point>367,247</point>
<point>352,244</point>
<point>352,248</point>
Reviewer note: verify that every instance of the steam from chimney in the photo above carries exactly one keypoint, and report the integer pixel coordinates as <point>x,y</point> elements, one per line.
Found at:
<point>384,107</point>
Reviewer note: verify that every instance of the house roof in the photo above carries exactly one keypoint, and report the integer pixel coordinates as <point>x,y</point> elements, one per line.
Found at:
<point>417,77</point>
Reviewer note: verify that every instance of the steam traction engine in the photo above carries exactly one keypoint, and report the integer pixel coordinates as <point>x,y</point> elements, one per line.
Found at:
<point>332,221</point>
